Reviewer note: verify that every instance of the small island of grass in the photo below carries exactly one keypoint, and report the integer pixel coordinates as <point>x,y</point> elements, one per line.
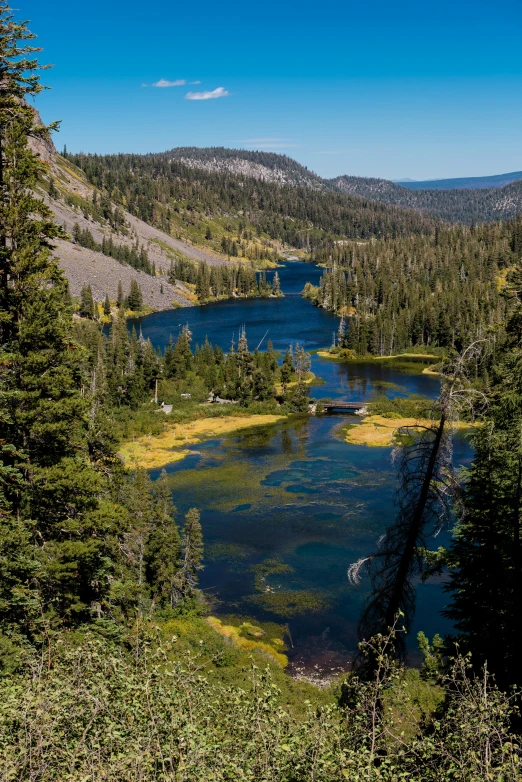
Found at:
<point>381,431</point>
<point>153,451</point>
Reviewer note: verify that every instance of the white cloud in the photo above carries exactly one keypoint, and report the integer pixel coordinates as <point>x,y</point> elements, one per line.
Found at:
<point>219,92</point>
<point>194,82</point>
<point>166,83</point>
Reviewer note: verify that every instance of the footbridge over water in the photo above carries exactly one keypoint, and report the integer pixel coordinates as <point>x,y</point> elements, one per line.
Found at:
<point>342,406</point>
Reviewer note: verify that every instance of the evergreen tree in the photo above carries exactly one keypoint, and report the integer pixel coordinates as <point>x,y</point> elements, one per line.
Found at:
<point>164,554</point>
<point>52,494</point>
<point>119,295</point>
<point>192,548</point>
<point>486,554</point>
<point>135,297</point>
<point>302,363</point>
<point>53,192</point>
<point>107,306</point>
<point>87,307</point>
<point>287,370</point>
<point>271,358</point>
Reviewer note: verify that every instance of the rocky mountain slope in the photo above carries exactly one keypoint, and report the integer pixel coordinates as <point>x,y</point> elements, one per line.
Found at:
<point>265,166</point>
<point>68,198</point>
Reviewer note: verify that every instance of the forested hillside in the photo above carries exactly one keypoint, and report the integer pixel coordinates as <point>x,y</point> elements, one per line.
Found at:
<point>452,205</point>
<point>441,290</point>
<point>160,190</point>
<point>499,200</point>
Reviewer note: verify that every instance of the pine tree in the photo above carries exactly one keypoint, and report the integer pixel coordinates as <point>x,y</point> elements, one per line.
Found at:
<point>52,494</point>
<point>486,554</point>
<point>192,548</point>
<point>119,295</point>
<point>86,302</point>
<point>287,370</point>
<point>302,363</point>
<point>107,306</point>
<point>53,192</point>
<point>271,358</point>
<point>276,285</point>
<point>135,297</point>
<point>164,550</point>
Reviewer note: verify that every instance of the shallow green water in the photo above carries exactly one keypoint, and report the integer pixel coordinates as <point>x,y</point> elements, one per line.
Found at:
<point>299,495</point>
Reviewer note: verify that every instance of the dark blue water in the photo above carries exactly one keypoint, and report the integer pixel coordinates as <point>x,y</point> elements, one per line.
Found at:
<point>296,493</point>
<point>286,320</point>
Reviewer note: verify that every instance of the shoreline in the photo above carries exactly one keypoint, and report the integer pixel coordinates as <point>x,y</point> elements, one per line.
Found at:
<point>349,356</point>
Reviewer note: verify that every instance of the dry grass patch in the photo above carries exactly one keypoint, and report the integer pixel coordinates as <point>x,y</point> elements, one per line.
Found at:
<point>248,644</point>
<point>152,451</point>
<point>380,432</point>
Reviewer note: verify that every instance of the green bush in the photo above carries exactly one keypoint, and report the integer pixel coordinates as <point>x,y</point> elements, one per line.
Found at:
<point>94,711</point>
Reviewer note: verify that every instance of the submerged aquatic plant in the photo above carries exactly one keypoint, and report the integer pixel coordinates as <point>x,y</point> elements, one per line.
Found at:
<point>289,603</point>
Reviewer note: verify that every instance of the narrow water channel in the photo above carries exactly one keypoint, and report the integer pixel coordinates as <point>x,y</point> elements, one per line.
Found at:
<point>286,509</point>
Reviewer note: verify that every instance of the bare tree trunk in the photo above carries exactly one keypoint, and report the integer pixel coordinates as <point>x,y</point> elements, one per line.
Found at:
<point>414,531</point>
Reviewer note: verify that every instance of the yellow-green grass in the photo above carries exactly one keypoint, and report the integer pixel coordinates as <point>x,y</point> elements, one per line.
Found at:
<point>152,451</point>
<point>350,355</point>
<point>380,432</point>
<point>248,637</point>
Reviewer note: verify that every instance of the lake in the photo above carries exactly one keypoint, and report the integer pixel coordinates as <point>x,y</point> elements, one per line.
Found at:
<point>286,509</point>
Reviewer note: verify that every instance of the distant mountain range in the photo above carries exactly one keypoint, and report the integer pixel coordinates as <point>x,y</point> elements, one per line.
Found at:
<point>462,183</point>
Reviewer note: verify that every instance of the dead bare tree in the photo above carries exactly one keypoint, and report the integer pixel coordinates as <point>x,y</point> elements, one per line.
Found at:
<point>423,501</point>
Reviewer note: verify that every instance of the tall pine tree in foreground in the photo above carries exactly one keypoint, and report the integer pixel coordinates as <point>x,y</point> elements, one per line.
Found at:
<point>486,556</point>
<point>56,533</point>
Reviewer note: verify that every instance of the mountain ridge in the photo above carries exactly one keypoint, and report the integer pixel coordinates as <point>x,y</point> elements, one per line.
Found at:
<point>462,183</point>
<point>466,204</point>
<point>452,205</point>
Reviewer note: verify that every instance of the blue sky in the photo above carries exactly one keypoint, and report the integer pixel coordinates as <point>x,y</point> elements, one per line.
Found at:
<point>410,88</point>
